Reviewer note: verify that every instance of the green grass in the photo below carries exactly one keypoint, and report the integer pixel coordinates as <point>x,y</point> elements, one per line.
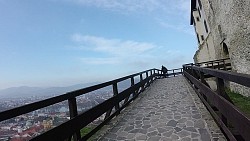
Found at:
<point>84,131</point>
<point>242,102</point>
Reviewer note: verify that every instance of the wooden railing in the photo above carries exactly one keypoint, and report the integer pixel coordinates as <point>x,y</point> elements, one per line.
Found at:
<point>175,72</point>
<point>111,107</point>
<point>221,64</point>
<point>218,103</point>
<point>171,73</point>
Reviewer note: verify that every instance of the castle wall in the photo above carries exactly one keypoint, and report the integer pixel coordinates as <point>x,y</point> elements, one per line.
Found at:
<point>229,23</point>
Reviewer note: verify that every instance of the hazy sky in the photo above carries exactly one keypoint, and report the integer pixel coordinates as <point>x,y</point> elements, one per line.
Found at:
<point>64,42</point>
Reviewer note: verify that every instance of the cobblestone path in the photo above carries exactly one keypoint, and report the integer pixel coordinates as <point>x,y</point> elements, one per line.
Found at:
<point>168,110</point>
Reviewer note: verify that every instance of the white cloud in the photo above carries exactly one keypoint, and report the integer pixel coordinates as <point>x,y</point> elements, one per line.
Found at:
<point>169,11</point>
<point>100,61</point>
<point>185,28</point>
<point>116,51</point>
<point>121,5</point>
<point>120,53</point>
<point>115,47</point>
<point>142,6</point>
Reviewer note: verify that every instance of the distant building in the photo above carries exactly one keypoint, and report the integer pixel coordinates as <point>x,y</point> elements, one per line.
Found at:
<point>28,134</point>
<point>223,31</point>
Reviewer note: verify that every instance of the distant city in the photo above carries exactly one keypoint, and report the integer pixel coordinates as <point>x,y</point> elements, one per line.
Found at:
<point>27,126</point>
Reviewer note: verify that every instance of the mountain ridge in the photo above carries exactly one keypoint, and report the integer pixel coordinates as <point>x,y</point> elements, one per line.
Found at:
<point>27,91</point>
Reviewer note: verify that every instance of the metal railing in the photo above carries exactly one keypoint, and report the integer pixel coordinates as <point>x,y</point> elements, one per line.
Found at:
<point>218,103</point>
<point>71,128</point>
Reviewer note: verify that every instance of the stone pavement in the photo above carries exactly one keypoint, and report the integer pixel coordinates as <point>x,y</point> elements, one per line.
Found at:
<point>168,110</point>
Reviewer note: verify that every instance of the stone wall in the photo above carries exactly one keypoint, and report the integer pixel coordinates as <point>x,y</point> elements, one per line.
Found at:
<point>206,51</point>
<point>229,22</point>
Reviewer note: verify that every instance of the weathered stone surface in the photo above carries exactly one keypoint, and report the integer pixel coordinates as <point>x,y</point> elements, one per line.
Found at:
<point>165,111</point>
<point>199,124</point>
<point>172,123</point>
<point>204,135</point>
<point>191,129</point>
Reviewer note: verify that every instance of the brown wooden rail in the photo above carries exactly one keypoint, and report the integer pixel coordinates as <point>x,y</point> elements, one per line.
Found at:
<point>175,72</point>
<point>221,64</point>
<point>72,127</point>
<point>172,72</point>
<point>218,103</point>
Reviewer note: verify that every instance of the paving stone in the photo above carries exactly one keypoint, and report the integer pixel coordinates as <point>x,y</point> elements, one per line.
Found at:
<point>138,122</point>
<point>143,131</point>
<point>204,135</point>
<point>191,129</point>
<point>168,133</point>
<point>196,116</point>
<point>141,137</point>
<point>154,138</point>
<point>129,128</point>
<point>186,139</point>
<point>183,133</point>
<point>193,135</point>
<point>161,130</point>
<point>174,137</point>
<point>181,125</point>
<point>131,135</point>
<point>111,135</point>
<point>189,123</point>
<point>177,117</point>
<point>152,133</point>
<point>122,134</point>
<point>151,129</point>
<point>165,111</point>
<point>114,130</point>
<point>177,129</point>
<point>134,131</point>
<point>166,139</point>
<point>172,123</point>
<point>199,124</point>
<point>146,126</point>
<point>121,138</point>
<point>182,120</point>
<point>105,139</point>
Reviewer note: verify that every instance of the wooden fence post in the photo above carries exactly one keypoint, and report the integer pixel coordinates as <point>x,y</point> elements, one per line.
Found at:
<point>141,78</point>
<point>73,113</point>
<point>115,92</point>
<point>132,84</point>
<point>152,79</point>
<point>221,91</point>
<point>225,67</point>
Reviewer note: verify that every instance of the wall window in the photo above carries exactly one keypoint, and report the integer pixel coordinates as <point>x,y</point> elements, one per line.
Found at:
<point>202,37</point>
<point>198,37</point>
<point>199,1</point>
<point>225,49</point>
<point>205,23</point>
<point>194,22</point>
<point>197,19</point>
<point>199,12</point>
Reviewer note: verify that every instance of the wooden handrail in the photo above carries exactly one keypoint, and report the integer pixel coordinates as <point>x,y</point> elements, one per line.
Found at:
<point>4,115</point>
<point>65,130</point>
<point>214,61</point>
<point>87,117</point>
<point>219,99</point>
